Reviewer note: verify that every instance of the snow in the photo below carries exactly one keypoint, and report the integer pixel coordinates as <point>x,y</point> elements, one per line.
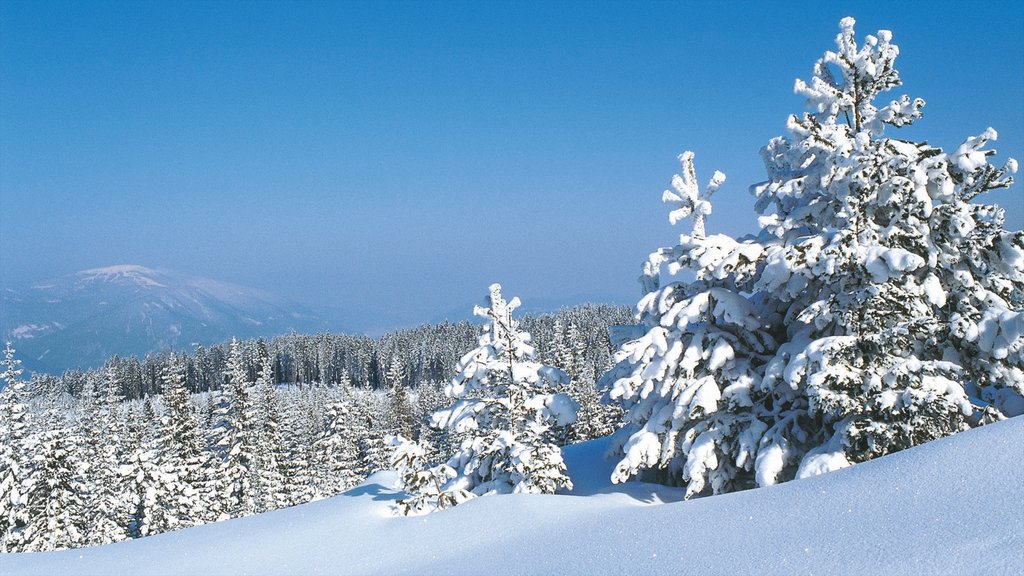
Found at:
<point>130,272</point>
<point>26,331</point>
<point>952,506</point>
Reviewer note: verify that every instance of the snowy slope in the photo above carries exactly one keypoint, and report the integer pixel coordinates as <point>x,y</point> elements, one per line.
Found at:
<point>955,506</point>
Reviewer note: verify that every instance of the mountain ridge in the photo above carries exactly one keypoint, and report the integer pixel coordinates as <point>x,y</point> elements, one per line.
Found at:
<point>80,319</point>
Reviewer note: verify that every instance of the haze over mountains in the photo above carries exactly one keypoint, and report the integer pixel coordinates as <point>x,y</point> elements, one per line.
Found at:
<point>81,319</point>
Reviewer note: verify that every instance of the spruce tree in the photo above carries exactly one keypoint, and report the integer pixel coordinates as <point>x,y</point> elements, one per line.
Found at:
<point>267,480</point>
<point>15,455</point>
<point>99,453</point>
<point>504,404</point>
<point>399,417</point>
<point>180,448</point>
<point>231,439</point>
<point>300,432</point>
<point>337,458</point>
<point>878,308</point>
<point>55,515</point>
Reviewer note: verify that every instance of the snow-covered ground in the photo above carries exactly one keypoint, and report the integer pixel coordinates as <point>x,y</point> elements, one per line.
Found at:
<point>955,506</point>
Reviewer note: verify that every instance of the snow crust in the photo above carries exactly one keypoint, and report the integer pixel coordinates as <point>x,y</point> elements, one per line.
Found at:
<point>953,506</point>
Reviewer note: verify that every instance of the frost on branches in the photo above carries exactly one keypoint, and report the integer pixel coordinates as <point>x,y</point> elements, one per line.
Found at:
<point>879,307</point>
<point>504,405</point>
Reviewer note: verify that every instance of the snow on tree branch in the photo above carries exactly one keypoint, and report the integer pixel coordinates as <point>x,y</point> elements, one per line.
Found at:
<point>877,308</point>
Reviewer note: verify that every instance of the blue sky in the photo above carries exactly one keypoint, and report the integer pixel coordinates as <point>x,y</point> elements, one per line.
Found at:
<point>402,156</point>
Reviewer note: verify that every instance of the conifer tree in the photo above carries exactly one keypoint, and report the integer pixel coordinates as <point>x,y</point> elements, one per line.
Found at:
<point>55,515</point>
<point>105,500</point>
<point>399,416</point>
<point>157,494</point>
<point>878,307</point>
<point>370,418</point>
<point>301,431</point>
<point>232,438</point>
<point>337,457</point>
<point>180,448</point>
<point>267,478</point>
<point>15,455</point>
<point>561,351</point>
<point>504,405</point>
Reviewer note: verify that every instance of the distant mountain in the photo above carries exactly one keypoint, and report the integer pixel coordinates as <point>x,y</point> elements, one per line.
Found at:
<point>80,320</point>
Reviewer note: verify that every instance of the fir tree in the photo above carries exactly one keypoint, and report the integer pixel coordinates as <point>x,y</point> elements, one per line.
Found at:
<point>399,416</point>
<point>370,418</point>
<point>878,307</point>
<point>301,430</point>
<point>180,448</point>
<point>55,515</point>
<point>504,406</point>
<point>337,449</point>
<point>15,456</point>
<point>232,439</point>
<point>105,499</point>
<point>267,481</point>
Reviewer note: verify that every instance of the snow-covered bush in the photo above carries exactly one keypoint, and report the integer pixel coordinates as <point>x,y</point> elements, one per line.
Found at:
<point>504,403</point>
<point>876,309</point>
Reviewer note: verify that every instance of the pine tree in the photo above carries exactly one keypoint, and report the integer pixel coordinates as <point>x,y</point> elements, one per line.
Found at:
<point>338,465</point>
<point>504,405</point>
<point>396,373</point>
<point>15,463</point>
<point>561,350</point>
<point>399,416</point>
<point>180,447</point>
<point>301,430</point>
<point>878,308</point>
<point>425,485</point>
<point>430,398</point>
<point>577,351</point>
<point>105,500</point>
<point>232,439</point>
<point>157,494</point>
<point>267,479</point>
<point>370,418</point>
<point>55,515</point>
<point>594,419</point>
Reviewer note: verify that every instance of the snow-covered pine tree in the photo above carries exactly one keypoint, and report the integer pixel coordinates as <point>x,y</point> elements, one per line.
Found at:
<point>105,500</point>
<point>399,417</point>
<point>15,457</point>
<point>372,411</point>
<point>300,432</point>
<point>504,404</point>
<point>560,352</point>
<point>878,307</point>
<point>156,491</point>
<point>577,350</point>
<point>425,485</point>
<point>704,341</point>
<point>232,438</point>
<point>55,514</point>
<point>594,419</point>
<point>266,477</point>
<point>180,448</point>
<point>336,451</point>
<point>396,373</point>
<point>436,442</point>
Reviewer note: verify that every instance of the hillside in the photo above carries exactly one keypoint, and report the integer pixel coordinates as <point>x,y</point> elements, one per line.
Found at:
<point>81,319</point>
<point>953,506</point>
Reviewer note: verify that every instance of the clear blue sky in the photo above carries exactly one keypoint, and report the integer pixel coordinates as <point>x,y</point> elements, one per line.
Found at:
<point>405,155</point>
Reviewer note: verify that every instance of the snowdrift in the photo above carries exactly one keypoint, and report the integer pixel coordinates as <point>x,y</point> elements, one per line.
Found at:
<point>952,506</point>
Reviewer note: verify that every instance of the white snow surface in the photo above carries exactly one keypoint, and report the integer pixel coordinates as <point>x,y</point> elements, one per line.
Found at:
<point>954,506</point>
